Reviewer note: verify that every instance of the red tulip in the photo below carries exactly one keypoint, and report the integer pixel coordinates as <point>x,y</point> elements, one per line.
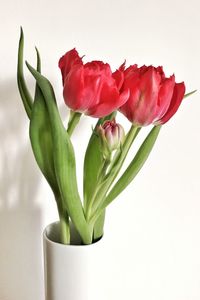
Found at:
<point>153,99</point>
<point>91,88</point>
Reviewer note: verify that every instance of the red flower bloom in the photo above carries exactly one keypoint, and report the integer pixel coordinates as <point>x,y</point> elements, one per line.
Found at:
<point>91,88</point>
<point>153,97</point>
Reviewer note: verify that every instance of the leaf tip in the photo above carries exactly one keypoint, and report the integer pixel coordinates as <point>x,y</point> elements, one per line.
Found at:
<point>189,94</point>
<point>31,69</point>
<point>28,65</point>
<point>21,32</point>
<point>36,49</point>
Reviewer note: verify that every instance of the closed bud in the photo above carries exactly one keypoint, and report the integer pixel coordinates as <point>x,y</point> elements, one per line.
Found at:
<point>112,136</point>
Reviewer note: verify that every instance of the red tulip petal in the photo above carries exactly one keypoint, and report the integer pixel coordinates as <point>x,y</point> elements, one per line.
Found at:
<point>161,72</point>
<point>96,76</point>
<point>119,78</point>
<point>111,102</point>
<point>164,97</point>
<point>123,97</point>
<point>129,108</point>
<point>67,61</point>
<point>90,94</point>
<point>123,66</point>
<point>131,82</point>
<point>178,94</point>
<point>98,67</point>
<point>131,70</point>
<point>149,89</point>
<point>73,86</point>
<point>144,84</point>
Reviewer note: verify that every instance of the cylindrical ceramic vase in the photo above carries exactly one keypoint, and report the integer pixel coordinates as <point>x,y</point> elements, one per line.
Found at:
<point>69,269</point>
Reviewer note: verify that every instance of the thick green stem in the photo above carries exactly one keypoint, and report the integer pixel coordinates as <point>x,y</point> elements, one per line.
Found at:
<point>73,121</point>
<point>64,229</point>
<point>99,226</point>
<point>64,223</point>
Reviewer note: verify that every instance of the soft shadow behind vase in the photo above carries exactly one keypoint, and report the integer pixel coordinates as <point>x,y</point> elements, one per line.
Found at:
<point>70,269</point>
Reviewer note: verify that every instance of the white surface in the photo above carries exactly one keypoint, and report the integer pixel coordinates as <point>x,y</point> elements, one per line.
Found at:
<point>152,238</point>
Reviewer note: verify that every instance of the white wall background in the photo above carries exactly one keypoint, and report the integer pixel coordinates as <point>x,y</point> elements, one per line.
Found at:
<point>152,232</point>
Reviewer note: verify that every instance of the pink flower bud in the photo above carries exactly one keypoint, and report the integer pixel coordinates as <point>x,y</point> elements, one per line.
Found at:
<point>112,136</point>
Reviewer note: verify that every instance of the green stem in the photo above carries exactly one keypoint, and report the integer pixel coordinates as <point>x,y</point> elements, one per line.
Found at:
<point>73,121</point>
<point>114,170</point>
<point>130,137</point>
<point>64,223</point>
<point>64,229</point>
<point>99,226</point>
<point>98,184</point>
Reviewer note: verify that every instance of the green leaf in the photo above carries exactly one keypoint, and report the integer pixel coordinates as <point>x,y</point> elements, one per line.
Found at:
<point>189,94</point>
<point>64,160</point>
<point>24,92</point>
<point>42,145</point>
<point>38,60</point>
<point>41,137</point>
<point>134,166</point>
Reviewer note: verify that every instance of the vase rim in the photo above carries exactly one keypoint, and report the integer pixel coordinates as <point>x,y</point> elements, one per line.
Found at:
<point>58,244</point>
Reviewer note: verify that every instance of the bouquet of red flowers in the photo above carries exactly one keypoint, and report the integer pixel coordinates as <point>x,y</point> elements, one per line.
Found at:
<point>144,95</point>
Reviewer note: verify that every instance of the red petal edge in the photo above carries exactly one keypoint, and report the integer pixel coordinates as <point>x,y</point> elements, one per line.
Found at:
<point>178,94</point>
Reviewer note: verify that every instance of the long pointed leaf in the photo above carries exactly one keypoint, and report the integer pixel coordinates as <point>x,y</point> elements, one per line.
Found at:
<point>24,92</point>
<point>64,160</point>
<point>42,145</point>
<point>41,137</point>
<point>134,166</point>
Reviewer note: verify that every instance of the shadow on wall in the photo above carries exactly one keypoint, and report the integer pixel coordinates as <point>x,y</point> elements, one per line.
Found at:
<point>21,274</point>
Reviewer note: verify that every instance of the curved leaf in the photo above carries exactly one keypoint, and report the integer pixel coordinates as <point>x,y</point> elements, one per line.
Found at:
<point>24,92</point>
<point>40,136</point>
<point>134,166</point>
<point>64,160</point>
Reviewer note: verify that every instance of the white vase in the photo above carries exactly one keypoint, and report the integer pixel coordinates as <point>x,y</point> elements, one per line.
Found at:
<point>69,269</point>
